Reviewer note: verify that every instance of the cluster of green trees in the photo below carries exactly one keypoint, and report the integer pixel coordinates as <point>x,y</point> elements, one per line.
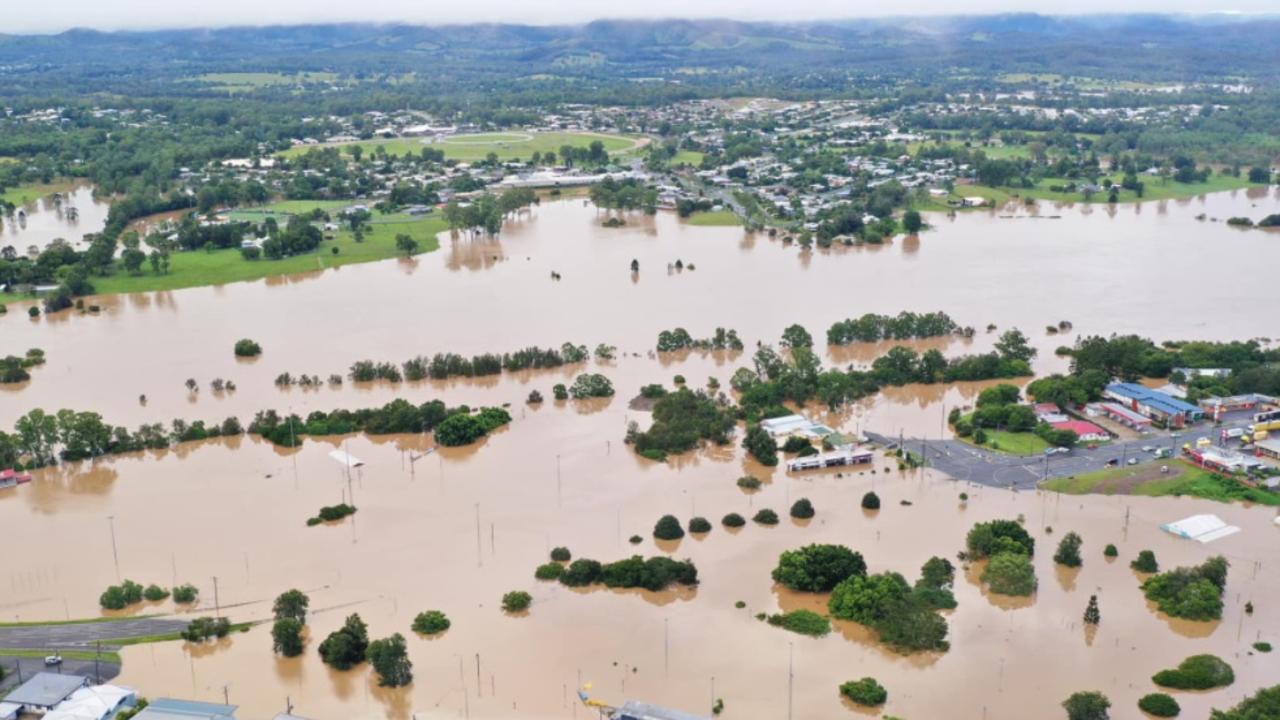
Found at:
<point>590,385</point>
<point>805,622</point>
<point>397,416</point>
<point>13,369</point>
<point>117,597</point>
<point>655,573</point>
<point>290,611</point>
<point>680,339</point>
<point>867,692</point>
<point>903,616</point>
<point>487,212</point>
<point>349,646</point>
<point>1263,705</point>
<point>818,568</point>
<point>206,628</point>
<point>41,438</point>
<point>1130,357</point>
<point>681,421</point>
<point>331,513</point>
<point>628,194</point>
<point>1194,593</point>
<point>1008,549</point>
<point>905,326</point>
<point>999,408</point>
<point>1198,672</point>
<point>442,366</point>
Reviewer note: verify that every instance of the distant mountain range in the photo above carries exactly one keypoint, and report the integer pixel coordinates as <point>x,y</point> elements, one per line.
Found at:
<point>1116,46</point>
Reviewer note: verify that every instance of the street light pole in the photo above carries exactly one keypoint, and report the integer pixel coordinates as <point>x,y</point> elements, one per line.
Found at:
<point>111,520</point>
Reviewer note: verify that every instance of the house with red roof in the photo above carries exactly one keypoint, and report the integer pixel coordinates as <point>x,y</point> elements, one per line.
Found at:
<point>1086,430</point>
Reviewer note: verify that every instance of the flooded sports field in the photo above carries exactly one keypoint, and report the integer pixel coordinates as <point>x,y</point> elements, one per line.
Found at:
<point>453,530</point>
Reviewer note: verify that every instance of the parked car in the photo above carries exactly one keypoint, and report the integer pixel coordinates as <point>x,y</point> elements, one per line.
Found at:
<point>1113,462</point>
<point>1133,461</point>
<point>53,660</point>
<point>1148,448</point>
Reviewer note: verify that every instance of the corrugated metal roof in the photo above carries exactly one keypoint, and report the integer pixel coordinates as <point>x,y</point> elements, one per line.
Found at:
<point>46,689</point>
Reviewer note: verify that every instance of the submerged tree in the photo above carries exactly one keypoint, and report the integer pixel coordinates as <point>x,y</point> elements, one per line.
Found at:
<point>1091,614</point>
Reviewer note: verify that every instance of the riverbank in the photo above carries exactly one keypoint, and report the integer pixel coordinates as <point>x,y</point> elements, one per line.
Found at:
<point>220,267</point>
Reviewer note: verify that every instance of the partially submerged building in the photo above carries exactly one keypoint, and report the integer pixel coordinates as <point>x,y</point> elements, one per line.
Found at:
<point>44,691</point>
<point>847,455</point>
<point>789,425</point>
<point>172,709</point>
<point>1160,407</point>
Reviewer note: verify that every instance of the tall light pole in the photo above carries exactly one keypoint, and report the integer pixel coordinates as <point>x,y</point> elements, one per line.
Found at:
<point>115,554</point>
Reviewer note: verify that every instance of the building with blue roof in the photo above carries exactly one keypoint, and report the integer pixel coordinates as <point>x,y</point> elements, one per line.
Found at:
<point>1160,407</point>
<point>171,709</point>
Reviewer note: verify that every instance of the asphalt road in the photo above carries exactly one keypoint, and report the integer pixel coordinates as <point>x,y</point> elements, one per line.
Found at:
<point>966,462</point>
<point>17,670</point>
<point>81,636</point>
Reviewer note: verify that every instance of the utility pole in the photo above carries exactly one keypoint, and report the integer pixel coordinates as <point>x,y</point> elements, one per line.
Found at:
<point>111,520</point>
<point>791,676</point>
<point>217,612</point>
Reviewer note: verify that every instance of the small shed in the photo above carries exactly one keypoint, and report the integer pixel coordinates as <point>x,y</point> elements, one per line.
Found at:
<point>1201,528</point>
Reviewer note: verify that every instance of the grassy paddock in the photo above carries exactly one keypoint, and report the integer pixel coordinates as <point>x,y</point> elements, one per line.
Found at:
<point>512,145</point>
<point>1184,478</point>
<point>80,655</point>
<point>714,218</point>
<point>217,267</point>
<point>24,194</point>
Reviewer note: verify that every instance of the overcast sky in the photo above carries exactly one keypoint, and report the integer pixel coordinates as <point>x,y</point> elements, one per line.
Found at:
<point>23,16</point>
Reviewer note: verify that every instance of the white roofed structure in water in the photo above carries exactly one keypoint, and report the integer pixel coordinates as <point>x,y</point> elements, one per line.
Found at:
<point>342,457</point>
<point>93,703</point>
<point>1201,528</point>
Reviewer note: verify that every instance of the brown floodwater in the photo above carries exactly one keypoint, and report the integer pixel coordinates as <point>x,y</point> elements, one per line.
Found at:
<point>460,527</point>
<point>47,220</point>
<point>1131,268</point>
<point>464,526</point>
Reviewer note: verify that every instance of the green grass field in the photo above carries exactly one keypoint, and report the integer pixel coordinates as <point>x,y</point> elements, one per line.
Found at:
<point>507,145</point>
<point>218,267</point>
<point>1019,443</point>
<point>249,81</point>
<point>714,218</point>
<point>1185,479</point>
<point>687,157</point>
<point>1156,189</point>
<point>24,194</point>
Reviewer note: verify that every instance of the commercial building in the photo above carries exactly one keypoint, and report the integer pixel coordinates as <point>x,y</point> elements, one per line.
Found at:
<point>1160,407</point>
<point>1120,414</point>
<point>45,690</point>
<point>836,458</point>
<point>1268,448</point>
<point>788,425</point>
<point>171,709</point>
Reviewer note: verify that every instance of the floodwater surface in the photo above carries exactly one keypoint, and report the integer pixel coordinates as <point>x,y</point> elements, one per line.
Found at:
<point>453,530</point>
<point>75,215</point>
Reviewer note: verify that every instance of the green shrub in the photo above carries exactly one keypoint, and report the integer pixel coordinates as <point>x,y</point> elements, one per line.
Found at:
<point>118,597</point>
<point>581,572</point>
<point>1159,705</point>
<point>286,637</point>
<point>1198,672</point>
<point>1111,551</point>
<point>749,482</point>
<point>590,385</point>
<point>1194,593</point>
<point>795,444</point>
<point>1262,705</point>
<point>561,554</point>
<point>871,501</point>
<point>549,571</point>
<point>1145,562</point>
<point>989,538</point>
<point>699,525</point>
<point>668,528</point>
<point>390,659</point>
<point>818,568</point>
<point>866,692</point>
<point>1069,551</point>
<point>802,509</point>
<point>765,516</point>
<point>247,348</point>
<point>204,628</point>
<point>431,622</point>
<point>516,600</point>
<point>887,604</point>
<point>635,540</point>
<point>155,593</point>
<point>733,520</point>
<point>656,573</point>
<point>1087,706</point>
<point>331,513</point>
<point>560,392</point>
<point>347,646</point>
<point>1262,647</point>
<point>805,622</point>
<point>185,594</point>
<point>1010,573</point>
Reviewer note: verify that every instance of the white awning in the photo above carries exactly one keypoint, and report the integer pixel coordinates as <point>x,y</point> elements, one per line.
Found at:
<point>1201,528</point>
<point>342,457</point>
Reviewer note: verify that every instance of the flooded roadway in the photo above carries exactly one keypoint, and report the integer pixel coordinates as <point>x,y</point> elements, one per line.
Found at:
<point>467,525</point>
